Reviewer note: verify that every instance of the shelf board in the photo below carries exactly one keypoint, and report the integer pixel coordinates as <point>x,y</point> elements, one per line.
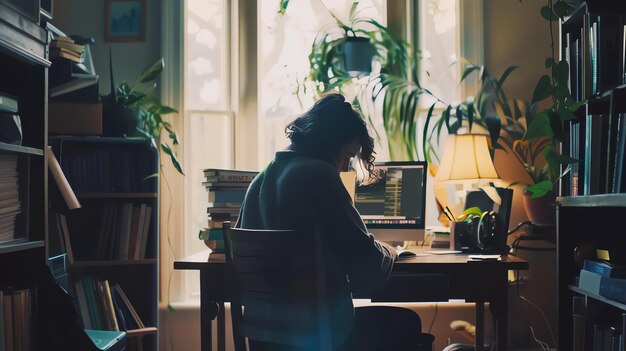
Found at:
<point>20,149</point>
<point>19,245</point>
<point>598,297</point>
<point>141,331</point>
<point>113,263</point>
<point>600,200</point>
<point>104,195</point>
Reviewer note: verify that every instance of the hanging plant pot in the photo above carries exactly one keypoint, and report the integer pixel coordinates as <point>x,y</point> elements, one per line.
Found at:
<point>119,120</point>
<point>541,211</point>
<point>358,53</point>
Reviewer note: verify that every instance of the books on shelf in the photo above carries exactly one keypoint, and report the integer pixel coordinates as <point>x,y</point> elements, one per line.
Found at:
<point>11,205</point>
<point>17,308</point>
<point>605,269</point>
<point>123,232</point>
<point>105,307</point>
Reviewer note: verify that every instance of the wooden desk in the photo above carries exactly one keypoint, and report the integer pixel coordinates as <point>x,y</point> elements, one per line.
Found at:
<point>477,282</point>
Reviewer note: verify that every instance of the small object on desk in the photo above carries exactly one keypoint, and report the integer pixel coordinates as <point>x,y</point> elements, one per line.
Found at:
<point>443,252</point>
<point>484,258</point>
<point>407,254</point>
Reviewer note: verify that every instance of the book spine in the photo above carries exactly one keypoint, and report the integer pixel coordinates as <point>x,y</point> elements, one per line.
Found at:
<point>578,323</point>
<point>226,196</point>
<point>613,288</point>
<point>622,344</point>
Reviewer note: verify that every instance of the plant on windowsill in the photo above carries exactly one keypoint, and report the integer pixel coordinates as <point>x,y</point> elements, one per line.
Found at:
<point>393,84</point>
<point>132,110</point>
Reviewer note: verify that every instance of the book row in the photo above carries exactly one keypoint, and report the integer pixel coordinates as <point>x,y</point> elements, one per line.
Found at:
<point>16,319</point>
<point>123,234</point>
<point>107,170</point>
<point>602,335</point>
<point>590,39</point>
<point>10,203</point>
<point>598,143</point>
<point>103,306</point>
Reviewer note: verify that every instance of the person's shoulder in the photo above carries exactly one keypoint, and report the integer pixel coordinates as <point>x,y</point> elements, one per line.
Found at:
<point>313,167</point>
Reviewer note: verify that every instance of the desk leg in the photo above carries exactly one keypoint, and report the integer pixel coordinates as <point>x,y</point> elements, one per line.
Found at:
<point>479,340</point>
<point>221,328</point>
<point>208,311</point>
<point>499,308</point>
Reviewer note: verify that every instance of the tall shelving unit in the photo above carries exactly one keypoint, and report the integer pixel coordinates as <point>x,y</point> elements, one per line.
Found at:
<point>115,181</point>
<point>24,73</point>
<point>592,203</point>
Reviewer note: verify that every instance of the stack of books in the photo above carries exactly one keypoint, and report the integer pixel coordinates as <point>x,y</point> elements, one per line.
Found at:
<point>226,190</point>
<point>17,310</point>
<point>603,278</point>
<point>65,47</point>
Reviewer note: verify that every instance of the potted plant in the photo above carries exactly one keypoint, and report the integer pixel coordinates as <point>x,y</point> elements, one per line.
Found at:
<point>132,110</point>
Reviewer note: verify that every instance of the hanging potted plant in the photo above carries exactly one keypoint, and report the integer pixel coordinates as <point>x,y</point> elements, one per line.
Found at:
<point>393,83</point>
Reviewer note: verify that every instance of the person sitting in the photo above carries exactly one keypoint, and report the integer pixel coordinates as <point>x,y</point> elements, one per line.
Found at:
<point>302,188</point>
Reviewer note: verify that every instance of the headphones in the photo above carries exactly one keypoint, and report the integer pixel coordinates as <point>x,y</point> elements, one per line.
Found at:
<point>485,231</point>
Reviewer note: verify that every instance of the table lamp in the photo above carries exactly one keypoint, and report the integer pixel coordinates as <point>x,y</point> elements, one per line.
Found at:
<point>466,165</point>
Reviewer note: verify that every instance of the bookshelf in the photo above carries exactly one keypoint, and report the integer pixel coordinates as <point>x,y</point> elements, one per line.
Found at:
<point>593,196</point>
<point>113,237</point>
<point>24,69</point>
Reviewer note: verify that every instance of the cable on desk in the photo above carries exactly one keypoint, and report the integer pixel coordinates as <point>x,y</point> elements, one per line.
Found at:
<point>434,317</point>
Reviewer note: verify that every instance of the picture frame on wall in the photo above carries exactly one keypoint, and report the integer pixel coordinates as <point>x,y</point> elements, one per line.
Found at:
<point>124,21</point>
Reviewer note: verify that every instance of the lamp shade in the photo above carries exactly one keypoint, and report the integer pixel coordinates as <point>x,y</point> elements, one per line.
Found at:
<point>466,157</point>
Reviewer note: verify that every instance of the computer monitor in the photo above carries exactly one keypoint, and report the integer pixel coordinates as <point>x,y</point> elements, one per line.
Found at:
<point>394,207</point>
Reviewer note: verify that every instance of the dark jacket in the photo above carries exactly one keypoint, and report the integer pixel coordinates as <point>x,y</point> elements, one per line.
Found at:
<point>295,192</point>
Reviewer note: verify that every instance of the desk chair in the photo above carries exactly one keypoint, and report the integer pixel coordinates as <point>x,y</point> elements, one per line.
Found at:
<point>281,290</point>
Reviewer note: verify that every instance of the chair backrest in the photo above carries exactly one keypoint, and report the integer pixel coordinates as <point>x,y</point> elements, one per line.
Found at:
<point>279,282</point>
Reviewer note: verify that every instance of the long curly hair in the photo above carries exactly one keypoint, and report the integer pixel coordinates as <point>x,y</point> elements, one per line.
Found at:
<point>327,126</point>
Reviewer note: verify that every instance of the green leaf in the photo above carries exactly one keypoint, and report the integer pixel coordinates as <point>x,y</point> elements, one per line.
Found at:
<point>475,211</point>
<point>566,114</point>
<point>562,8</point>
<point>555,124</point>
<point>152,72</point>
<point>494,125</point>
<point>540,189</point>
<point>548,14</point>
<point>468,70</point>
<point>562,73</point>
<point>543,89</point>
<point>166,148</point>
<point>505,75</point>
<point>537,126</point>
<point>549,62</point>
<point>282,6</point>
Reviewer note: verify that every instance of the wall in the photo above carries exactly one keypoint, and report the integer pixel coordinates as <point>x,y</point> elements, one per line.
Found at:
<point>86,18</point>
<point>515,34</point>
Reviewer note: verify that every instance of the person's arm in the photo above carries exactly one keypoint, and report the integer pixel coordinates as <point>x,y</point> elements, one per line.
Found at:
<point>367,262</point>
